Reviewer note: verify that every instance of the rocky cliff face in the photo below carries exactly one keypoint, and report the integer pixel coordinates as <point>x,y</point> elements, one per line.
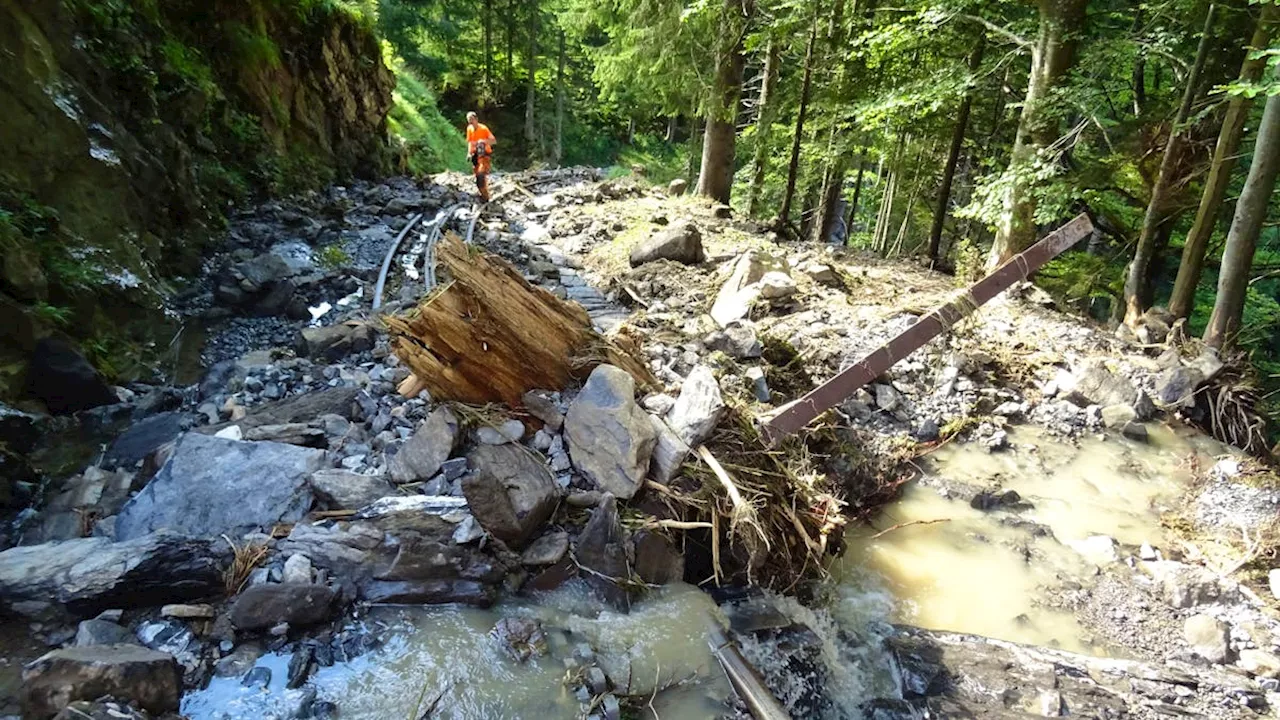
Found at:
<point>131,125</point>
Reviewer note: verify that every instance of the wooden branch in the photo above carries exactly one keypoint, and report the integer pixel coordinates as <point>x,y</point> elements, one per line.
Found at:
<point>1001,31</point>
<point>909,523</point>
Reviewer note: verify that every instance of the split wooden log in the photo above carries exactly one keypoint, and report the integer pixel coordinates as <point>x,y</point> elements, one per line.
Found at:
<point>489,336</point>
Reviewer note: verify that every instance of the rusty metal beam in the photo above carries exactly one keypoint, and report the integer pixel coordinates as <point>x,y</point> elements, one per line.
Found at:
<point>796,415</point>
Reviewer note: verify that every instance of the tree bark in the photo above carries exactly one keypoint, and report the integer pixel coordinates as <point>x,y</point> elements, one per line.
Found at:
<point>1137,286</point>
<point>764,125</point>
<point>953,154</point>
<point>1051,57</point>
<point>488,46</point>
<point>673,124</point>
<point>715,179</point>
<point>1223,164</point>
<point>531,95</point>
<point>1139,69</point>
<point>695,149</point>
<point>836,162</point>
<point>851,213</point>
<point>793,167</point>
<point>557,151</point>
<point>511,39</point>
<point>1242,239</point>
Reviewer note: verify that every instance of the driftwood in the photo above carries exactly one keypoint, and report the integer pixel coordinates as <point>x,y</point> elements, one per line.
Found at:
<point>487,335</point>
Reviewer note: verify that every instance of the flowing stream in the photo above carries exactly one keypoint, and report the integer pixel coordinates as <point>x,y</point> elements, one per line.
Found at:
<point>986,572</point>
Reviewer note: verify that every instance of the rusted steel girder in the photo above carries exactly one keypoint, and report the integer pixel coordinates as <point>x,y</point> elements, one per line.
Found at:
<point>796,415</point>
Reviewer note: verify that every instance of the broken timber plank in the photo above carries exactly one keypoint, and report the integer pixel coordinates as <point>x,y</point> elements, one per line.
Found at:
<point>827,395</point>
<point>489,336</point>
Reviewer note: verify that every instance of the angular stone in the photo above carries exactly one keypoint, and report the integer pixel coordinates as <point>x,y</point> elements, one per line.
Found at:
<point>144,437</point>
<point>1176,387</point>
<point>1114,416</point>
<point>669,453</point>
<point>211,486</point>
<point>776,285</point>
<point>741,290</point>
<point>346,490</point>
<point>542,407</point>
<point>610,438</point>
<point>1098,549</point>
<point>149,679</point>
<point>521,638</point>
<point>263,606</point>
<point>298,409</point>
<point>64,380</point>
<point>101,632</point>
<point>1095,384</point>
<point>508,431</point>
<point>657,561</point>
<point>83,577</point>
<point>1259,663</point>
<point>546,550</point>
<point>887,398</point>
<point>681,242</point>
<point>737,340</point>
<point>511,494</point>
<point>297,570</point>
<point>1208,636</point>
<point>699,407</point>
<point>424,453</point>
<point>601,548</point>
<point>287,433</point>
<point>677,187</point>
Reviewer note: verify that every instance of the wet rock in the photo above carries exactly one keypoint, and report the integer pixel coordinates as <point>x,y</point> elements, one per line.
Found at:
<point>601,549</point>
<point>262,606</point>
<point>699,407</point>
<point>103,709</point>
<point>86,576</point>
<point>1134,431</point>
<point>610,438</point>
<point>335,342</point>
<point>61,378</point>
<point>346,490</point>
<point>1208,637</point>
<point>146,678</point>
<point>258,677</point>
<point>144,437</point>
<point>1259,663</point>
<point>520,638</point>
<point>681,242</point>
<point>101,632</point>
<point>538,404</point>
<point>995,499</point>
<point>430,592</point>
<point>211,486</point>
<point>1176,387</point>
<point>1185,586</point>
<point>1114,416</point>
<point>546,550</point>
<point>658,562</point>
<point>511,494</point>
<point>776,285</point>
<point>428,448</point>
<point>239,661</point>
<point>508,432</point>
<point>737,340</point>
<point>301,665</point>
<point>1098,549</point>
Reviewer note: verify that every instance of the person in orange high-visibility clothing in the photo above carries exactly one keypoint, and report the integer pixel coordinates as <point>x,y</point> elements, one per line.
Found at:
<point>480,142</point>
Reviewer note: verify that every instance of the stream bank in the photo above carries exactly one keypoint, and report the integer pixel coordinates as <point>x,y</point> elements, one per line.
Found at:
<point>380,499</point>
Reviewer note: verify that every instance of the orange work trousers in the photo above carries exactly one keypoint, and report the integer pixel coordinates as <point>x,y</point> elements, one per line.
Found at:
<point>482,166</point>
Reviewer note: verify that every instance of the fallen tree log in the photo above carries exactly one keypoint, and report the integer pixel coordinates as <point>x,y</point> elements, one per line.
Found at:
<point>487,335</point>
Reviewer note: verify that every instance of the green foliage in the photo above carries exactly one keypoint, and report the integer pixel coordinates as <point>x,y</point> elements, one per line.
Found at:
<point>429,142</point>
<point>187,63</point>
<point>251,46</point>
<point>56,315</point>
<point>333,257</point>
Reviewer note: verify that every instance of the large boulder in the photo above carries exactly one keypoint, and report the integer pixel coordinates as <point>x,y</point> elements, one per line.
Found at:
<point>211,486</point>
<point>146,678</point>
<point>681,242</point>
<point>334,342</point>
<point>143,438</point>
<point>610,438</point>
<point>263,606</point>
<point>1096,384</point>
<point>511,494</point>
<point>699,407</point>
<point>738,340</point>
<point>346,490</point>
<point>431,444</point>
<point>85,576</point>
<point>64,380</point>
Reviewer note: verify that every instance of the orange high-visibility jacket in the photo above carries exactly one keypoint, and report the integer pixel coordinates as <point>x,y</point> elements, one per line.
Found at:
<point>476,133</point>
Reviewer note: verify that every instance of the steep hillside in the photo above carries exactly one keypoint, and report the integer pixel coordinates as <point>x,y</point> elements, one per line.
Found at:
<point>131,127</point>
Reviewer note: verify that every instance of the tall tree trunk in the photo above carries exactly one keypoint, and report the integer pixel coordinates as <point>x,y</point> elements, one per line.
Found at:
<point>1137,287</point>
<point>531,94</point>
<point>953,154</point>
<point>557,151</point>
<point>1053,54</point>
<point>1242,239</point>
<point>881,235</point>
<point>695,149</point>
<point>511,41</point>
<point>1139,68</point>
<point>673,124</point>
<point>764,124</point>
<point>1224,163</point>
<point>488,47</point>
<point>715,179</point>
<point>835,164</point>
<point>793,167</point>
<point>851,212</point>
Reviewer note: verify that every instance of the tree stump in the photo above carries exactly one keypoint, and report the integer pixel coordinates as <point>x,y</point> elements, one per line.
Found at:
<point>487,335</point>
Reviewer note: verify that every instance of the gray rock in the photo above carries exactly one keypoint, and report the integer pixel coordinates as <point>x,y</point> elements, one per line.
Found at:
<point>422,455</point>
<point>287,433</point>
<point>659,404</point>
<point>468,530</point>
<point>669,453</point>
<point>1176,387</point>
<point>546,550</point>
<point>264,606</point>
<point>64,380</point>
<point>211,486</point>
<point>143,438</point>
<point>538,404</point>
<point>677,187</point>
<point>511,494</point>
<point>334,342</point>
<point>657,561</point>
<point>610,438</point>
<point>101,632</point>
<point>297,570</point>
<point>737,340</point>
<point>521,638</point>
<point>1208,637</point>
<point>699,407</point>
<point>1134,431</point>
<point>776,285</point>
<point>1095,384</point>
<point>887,398</point>
<point>148,679</point>
<point>508,432</point>
<point>759,385</point>
<point>1260,663</point>
<point>601,548</point>
<point>345,490</point>
<point>681,242</point>
<point>85,576</point>
<point>1186,586</point>
<point>1114,416</point>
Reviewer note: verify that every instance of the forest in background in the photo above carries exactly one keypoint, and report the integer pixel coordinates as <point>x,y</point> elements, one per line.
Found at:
<point>949,130</point>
